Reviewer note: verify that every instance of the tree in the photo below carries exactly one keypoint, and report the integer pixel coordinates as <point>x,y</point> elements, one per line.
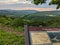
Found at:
<point>17,22</point>
<point>57,2</point>
<point>39,1</point>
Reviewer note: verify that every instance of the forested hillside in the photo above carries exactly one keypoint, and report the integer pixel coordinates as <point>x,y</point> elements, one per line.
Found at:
<point>50,18</point>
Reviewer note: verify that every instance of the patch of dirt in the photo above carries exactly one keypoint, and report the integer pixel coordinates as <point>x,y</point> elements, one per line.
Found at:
<point>10,29</point>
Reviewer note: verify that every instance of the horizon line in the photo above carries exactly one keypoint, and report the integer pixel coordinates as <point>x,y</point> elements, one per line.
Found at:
<point>30,8</point>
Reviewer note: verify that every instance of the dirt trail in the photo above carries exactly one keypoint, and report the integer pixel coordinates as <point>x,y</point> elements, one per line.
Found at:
<point>10,29</point>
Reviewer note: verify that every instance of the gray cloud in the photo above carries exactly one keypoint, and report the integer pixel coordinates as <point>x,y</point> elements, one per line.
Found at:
<point>21,3</point>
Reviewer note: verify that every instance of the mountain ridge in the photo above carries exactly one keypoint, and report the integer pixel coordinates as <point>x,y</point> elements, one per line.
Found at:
<point>28,12</point>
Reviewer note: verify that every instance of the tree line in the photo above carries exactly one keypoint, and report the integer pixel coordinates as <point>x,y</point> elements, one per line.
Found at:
<point>16,22</point>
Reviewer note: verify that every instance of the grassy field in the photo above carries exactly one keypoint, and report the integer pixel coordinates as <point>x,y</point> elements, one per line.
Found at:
<point>9,38</point>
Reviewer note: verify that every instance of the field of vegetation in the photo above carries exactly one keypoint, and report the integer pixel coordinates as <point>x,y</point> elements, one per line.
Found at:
<point>12,28</point>
<point>9,38</point>
<point>10,32</point>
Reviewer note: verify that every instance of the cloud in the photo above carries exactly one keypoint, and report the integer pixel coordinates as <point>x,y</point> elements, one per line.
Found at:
<point>14,1</point>
<point>3,1</point>
<point>8,1</point>
<point>37,9</point>
<point>19,4</point>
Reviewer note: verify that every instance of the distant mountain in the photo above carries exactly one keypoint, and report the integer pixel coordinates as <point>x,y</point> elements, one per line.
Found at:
<point>30,14</point>
<point>47,13</point>
<point>43,15</point>
<point>17,12</point>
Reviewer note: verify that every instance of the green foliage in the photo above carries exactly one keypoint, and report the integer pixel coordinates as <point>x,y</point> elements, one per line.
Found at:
<point>57,2</point>
<point>9,38</point>
<point>50,18</point>
<point>20,29</point>
<point>39,19</point>
<point>39,1</point>
<point>17,22</point>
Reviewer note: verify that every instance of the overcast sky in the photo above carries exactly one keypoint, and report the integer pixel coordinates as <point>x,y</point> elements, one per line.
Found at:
<point>17,4</point>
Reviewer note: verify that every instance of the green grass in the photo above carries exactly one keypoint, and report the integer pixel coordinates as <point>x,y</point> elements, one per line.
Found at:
<point>9,38</point>
<point>20,29</point>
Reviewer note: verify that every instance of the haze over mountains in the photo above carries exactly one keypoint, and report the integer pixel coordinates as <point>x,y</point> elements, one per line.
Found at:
<point>37,9</point>
<point>16,12</point>
<point>44,15</point>
<point>29,12</point>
